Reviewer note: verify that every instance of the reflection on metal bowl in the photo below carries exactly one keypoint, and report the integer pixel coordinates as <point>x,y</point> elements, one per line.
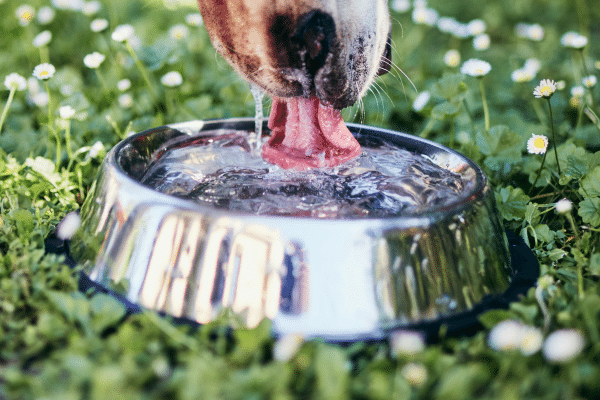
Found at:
<point>338,279</point>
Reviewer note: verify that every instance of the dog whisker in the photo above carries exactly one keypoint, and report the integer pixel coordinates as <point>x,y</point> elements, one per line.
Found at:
<point>380,90</point>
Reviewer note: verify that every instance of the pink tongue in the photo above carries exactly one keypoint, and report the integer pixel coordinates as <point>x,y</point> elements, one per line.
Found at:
<point>307,134</point>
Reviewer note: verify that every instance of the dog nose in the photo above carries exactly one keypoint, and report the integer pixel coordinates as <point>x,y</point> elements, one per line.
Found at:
<point>315,34</point>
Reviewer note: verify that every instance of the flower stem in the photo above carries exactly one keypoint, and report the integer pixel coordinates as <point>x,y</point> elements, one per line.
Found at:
<point>102,80</point>
<point>169,100</point>
<point>142,69</point>
<point>44,54</point>
<point>427,130</point>
<point>553,137</point>
<point>452,133</point>
<point>53,132</point>
<point>486,112</point>
<point>68,140</point>
<point>586,73</point>
<point>539,171</point>
<point>539,296</point>
<point>50,118</point>
<point>11,95</point>
<point>464,103</point>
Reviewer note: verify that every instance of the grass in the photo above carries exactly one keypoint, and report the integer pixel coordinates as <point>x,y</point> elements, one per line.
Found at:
<point>58,343</point>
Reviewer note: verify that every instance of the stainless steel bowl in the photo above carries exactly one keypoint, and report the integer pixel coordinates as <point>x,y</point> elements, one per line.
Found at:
<point>334,279</point>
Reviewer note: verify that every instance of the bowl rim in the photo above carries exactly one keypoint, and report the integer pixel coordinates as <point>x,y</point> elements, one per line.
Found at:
<point>423,219</point>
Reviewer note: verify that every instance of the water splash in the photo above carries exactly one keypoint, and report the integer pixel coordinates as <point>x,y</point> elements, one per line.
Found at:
<point>220,171</point>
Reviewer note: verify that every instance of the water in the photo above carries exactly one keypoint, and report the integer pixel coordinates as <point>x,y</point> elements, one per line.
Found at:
<point>255,142</point>
<point>221,171</point>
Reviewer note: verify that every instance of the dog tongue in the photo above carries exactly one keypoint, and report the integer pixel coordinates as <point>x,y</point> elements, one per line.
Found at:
<point>307,134</point>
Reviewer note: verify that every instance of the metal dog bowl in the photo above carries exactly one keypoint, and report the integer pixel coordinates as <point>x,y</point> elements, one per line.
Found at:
<point>338,279</point>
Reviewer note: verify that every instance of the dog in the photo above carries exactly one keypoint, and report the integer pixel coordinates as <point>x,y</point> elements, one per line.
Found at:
<point>313,57</point>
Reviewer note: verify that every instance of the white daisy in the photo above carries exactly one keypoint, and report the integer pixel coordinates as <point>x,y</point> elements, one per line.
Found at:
<point>475,67</point>
<point>452,58</point>
<point>178,32</point>
<point>66,112</point>
<point>98,25</point>
<point>123,33</point>
<point>40,99</point>
<point>425,16</point>
<point>463,137</point>
<point>42,39</point>
<point>589,81</point>
<point>194,19</point>
<point>421,101</point>
<point>68,226</point>
<point>481,42</point>
<point>125,100</point>
<point>574,40</point>
<point>513,335</point>
<point>447,24</point>
<point>45,15</point>
<point>93,60</point>
<point>537,144</point>
<point>535,32</point>
<point>96,149</point>
<point>577,91</point>
<point>532,65</point>
<point>414,373</point>
<point>401,6</point>
<point>506,335</point>
<point>545,89</point>
<point>44,71</point>
<point>15,81</point>
<point>476,27</point>
<point>521,75</point>
<point>123,84</point>
<point>25,14</point>
<point>407,342</point>
<point>172,79</point>
<point>91,8</point>
<point>563,345</point>
<point>461,31</point>
<point>531,340</point>
<point>74,5</point>
<point>564,206</point>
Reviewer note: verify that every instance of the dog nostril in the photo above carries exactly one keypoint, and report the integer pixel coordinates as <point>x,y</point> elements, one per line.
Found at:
<point>315,33</point>
<point>313,38</point>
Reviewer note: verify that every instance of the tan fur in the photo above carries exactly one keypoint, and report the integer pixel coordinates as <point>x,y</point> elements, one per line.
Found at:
<point>254,37</point>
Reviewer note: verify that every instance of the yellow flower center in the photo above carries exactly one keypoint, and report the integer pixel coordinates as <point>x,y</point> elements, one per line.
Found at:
<point>539,143</point>
<point>44,73</point>
<point>545,91</point>
<point>27,16</point>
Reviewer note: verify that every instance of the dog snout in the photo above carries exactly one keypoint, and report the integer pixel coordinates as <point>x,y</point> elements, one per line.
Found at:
<point>385,64</point>
<point>314,36</point>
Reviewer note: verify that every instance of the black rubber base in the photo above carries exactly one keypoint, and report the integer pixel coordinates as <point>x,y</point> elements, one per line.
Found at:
<point>525,275</point>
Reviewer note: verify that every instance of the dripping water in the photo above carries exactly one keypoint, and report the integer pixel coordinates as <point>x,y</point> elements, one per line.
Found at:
<point>256,138</point>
